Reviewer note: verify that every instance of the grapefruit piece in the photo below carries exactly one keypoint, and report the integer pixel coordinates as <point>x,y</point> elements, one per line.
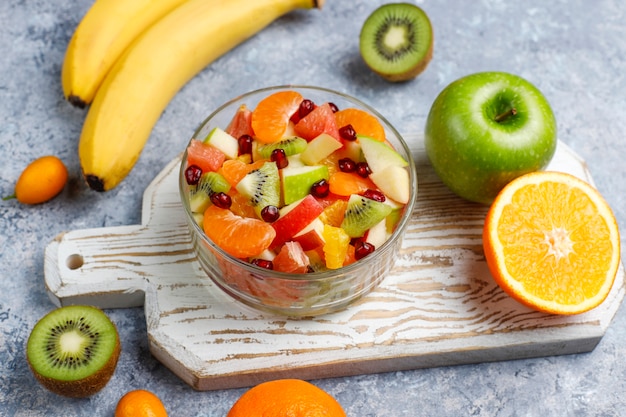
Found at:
<point>208,158</point>
<point>320,120</point>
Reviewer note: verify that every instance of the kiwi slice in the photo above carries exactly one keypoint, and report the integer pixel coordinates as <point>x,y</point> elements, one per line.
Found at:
<point>363,213</point>
<point>396,41</point>
<point>262,187</point>
<point>209,184</point>
<point>73,350</point>
<point>291,146</point>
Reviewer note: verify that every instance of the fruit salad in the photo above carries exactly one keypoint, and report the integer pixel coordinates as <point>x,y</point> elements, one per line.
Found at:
<point>297,186</point>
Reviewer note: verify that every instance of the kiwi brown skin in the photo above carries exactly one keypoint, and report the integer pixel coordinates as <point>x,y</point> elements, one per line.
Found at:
<point>420,64</point>
<point>84,387</point>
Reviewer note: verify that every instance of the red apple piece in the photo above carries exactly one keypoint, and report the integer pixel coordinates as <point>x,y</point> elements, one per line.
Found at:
<point>295,217</point>
<point>311,236</point>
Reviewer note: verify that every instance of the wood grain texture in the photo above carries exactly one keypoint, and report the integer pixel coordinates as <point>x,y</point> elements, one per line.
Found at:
<point>439,306</point>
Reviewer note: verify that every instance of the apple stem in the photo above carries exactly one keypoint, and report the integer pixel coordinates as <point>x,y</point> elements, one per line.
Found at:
<point>510,112</point>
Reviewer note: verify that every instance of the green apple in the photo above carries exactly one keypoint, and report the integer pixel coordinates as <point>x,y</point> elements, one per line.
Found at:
<point>319,148</point>
<point>298,180</point>
<point>486,129</point>
<point>223,141</point>
<point>379,155</point>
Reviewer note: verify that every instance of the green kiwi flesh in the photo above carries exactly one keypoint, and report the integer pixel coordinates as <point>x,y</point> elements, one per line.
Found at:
<point>73,350</point>
<point>291,146</point>
<point>396,41</point>
<point>261,186</point>
<point>363,213</point>
<point>210,183</point>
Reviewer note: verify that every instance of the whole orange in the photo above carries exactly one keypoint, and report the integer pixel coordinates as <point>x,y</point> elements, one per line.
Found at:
<point>286,397</point>
<point>140,403</point>
<point>41,180</point>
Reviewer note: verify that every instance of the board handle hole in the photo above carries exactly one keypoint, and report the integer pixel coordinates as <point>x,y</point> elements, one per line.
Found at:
<point>74,261</point>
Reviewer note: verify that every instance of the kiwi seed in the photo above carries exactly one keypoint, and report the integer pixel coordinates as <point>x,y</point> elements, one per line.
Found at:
<point>73,350</point>
<point>396,41</point>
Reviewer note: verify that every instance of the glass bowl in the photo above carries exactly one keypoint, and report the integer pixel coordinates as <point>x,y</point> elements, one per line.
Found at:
<point>296,295</point>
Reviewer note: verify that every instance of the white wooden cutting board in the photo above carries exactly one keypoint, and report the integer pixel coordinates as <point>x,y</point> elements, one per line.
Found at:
<point>439,306</point>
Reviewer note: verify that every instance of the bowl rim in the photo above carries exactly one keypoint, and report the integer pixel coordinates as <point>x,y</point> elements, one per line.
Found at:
<point>396,236</point>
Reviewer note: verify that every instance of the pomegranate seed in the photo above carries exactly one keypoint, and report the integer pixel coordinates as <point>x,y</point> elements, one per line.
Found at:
<point>262,263</point>
<point>348,133</point>
<point>363,169</point>
<point>193,174</point>
<point>362,249</point>
<point>320,189</point>
<point>306,107</point>
<point>333,107</point>
<point>375,195</point>
<point>221,200</point>
<point>347,165</point>
<point>270,214</point>
<point>245,144</point>
<point>280,157</point>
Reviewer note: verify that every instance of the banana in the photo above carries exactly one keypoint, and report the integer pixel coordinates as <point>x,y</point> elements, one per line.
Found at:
<point>107,28</point>
<point>154,68</point>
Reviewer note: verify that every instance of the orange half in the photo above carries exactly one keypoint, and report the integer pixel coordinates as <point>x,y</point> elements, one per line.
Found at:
<point>552,242</point>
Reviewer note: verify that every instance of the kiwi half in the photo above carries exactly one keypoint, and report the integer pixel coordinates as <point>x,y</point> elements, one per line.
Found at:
<point>73,350</point>
<point>396,41</point>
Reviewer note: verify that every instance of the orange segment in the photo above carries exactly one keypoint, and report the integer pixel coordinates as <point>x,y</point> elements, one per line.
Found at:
<point>240,204</point>
<point>271,116</point>
<point>286,397</point>
<point>348,183</point>
<point>235,169</point>
<point>241,237</point>
<point>336,246</point>
<point>333,214</point>
<point>363,123</point>
<point>552,242</point>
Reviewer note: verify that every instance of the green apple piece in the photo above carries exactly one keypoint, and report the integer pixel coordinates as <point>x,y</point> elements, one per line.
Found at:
<point>377,234</point>
<point>394,182</point>
<point>297,180</point>
<point>319,148</point>
<point>223,141</point>
<point>295,161</point>
<point>267,255</point>
<point>352,150</point>
<point>198,218</point>
<point>485,129</point>
<point>391,221</point>
<point>380,155</point>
